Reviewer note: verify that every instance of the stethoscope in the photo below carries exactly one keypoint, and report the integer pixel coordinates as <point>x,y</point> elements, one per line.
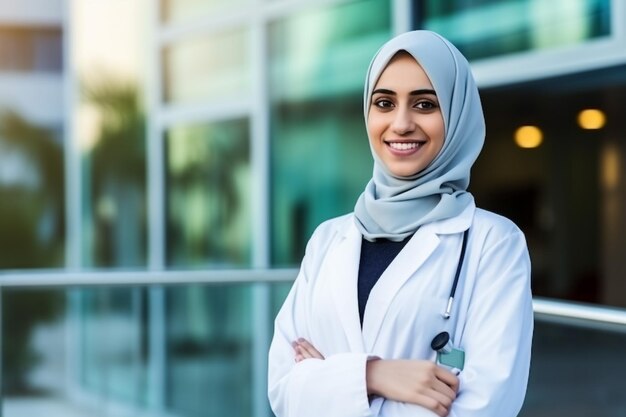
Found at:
<point>448,355</point>
<point>448,311</point>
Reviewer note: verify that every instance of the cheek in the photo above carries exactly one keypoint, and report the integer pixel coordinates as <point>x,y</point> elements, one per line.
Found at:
<point>436,130</point>
<point>375,128</point>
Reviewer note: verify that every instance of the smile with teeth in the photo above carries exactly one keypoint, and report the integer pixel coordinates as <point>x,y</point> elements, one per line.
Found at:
<point>404,146</point>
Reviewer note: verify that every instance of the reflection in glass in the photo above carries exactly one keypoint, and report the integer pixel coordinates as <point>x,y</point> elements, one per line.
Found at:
<point>32,190</point>
<point>114,343</point>
<point>109,123</point>
<point>278,294</point>
<point>85,352</point>
<point>320,157</point>
<point>201,68</point>
<point>483,29</point>
<point>209,351</point>
<point>114,172</point>
<point>28,320</point>
<point>208,195</point>
<point>177,10</point>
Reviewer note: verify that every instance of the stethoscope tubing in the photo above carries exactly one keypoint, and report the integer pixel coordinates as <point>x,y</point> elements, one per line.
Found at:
<point>448,311</point>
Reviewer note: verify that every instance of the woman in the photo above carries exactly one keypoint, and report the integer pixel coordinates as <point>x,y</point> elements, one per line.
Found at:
<point>353,337</point>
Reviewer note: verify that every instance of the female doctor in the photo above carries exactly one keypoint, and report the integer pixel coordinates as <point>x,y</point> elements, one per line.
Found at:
<point>353,338</point>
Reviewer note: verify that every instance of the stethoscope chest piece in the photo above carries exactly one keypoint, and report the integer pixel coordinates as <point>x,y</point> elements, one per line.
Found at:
<point>448,355</point>
<point>441,342</point>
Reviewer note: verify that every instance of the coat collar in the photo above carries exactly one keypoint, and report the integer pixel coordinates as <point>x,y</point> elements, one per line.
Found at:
<point>345,257</point>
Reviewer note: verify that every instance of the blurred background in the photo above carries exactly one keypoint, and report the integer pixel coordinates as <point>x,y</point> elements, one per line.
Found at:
<point>163,163</point>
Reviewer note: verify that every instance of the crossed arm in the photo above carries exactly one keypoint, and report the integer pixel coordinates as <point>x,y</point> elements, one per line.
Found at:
<point>414,381</point>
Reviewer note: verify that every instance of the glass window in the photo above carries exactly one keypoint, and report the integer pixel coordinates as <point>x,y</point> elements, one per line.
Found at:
<point>48,50</point>
<point>113,343</point>
<point>566,191</point>
<point>110,125</point>
<point>209,351</point>
<point>278,294</point>
<point>207,67</point>
<point>486,28</point>
<point>32,192</point>
<point>320,157</point>
<point>208,195</point>
<point>32,357</point>
<point>114,177</point>
<point>31,49</point>
<point>87,351</point>
<point>179,10</point>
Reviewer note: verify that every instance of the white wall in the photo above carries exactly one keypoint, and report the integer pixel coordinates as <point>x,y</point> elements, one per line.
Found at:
<point>31,12</point>
<point>37,97</point>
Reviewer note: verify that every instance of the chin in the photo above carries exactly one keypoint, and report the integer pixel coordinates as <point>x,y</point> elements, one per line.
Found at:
<point>404,172</point>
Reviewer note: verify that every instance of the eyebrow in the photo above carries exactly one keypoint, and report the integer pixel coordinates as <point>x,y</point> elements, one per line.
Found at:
<point>412,93</point>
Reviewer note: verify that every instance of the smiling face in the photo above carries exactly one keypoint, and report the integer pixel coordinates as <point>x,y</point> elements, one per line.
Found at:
<point>405,125</point>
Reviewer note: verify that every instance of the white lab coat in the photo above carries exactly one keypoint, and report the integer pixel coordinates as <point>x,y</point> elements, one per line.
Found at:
<point>492,319</point>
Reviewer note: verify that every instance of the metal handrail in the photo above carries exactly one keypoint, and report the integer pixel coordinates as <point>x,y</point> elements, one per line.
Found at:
<point>65,278</point>
<point>580,314</point>
<point>545,309</point>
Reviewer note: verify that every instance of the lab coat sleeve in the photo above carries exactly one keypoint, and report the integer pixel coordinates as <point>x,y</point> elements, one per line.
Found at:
<point>334,387</point>
<point>498,332</point>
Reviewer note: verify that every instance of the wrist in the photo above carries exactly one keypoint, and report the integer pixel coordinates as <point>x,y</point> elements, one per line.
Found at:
<point>372,369</point>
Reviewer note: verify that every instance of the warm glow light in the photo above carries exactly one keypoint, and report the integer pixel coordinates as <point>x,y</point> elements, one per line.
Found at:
<point>591,119</point>
<point>611,167</point>
<point>528,137</point>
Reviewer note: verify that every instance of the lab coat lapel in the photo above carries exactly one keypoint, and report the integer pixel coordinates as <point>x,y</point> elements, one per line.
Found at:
<point>409,260</point>
<point>343,264</point>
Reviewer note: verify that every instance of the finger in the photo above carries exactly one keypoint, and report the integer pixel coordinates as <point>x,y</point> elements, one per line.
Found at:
<point>300,350</point>
<point>447,378</point>
<point>444,389</point>
<point>310,349</point>
<point>441,398</point>
<point>432,404</point>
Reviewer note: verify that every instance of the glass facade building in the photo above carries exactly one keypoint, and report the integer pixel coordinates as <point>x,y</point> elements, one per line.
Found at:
<point>163,163</point>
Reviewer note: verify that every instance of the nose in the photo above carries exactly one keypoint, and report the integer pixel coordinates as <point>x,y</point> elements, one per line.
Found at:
<point>403,122</point>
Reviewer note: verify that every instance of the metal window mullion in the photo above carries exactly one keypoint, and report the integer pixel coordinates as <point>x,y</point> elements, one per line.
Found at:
<point>618,21</point>
<point>402,20</point>
<point>73,209</point>
<point>155,133</point>
<point>211,111</point>
<point>218,22</point>
<point>72,165</point>
<point>277,9</point>
<point>260,143</point>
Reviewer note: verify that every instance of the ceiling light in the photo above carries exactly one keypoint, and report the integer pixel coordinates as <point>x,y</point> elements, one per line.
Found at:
<point>528,137</point>
<point>591,119</point>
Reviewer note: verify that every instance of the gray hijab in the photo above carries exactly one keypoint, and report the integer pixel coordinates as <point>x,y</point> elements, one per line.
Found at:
<point>395,207</point>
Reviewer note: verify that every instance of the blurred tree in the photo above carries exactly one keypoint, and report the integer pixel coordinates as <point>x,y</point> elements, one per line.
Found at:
<point>117,165</point>
<point>32,234</point>
<point>32,194</point>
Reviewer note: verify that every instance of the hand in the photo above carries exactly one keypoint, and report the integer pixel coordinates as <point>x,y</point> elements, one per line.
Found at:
<point>413,381</point>
<point>305,350</point>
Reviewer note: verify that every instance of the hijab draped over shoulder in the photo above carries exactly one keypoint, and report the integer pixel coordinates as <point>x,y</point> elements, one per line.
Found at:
<point>395,207</point>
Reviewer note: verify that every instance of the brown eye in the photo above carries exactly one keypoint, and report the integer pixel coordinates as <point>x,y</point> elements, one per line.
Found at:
<point>426,105</point>
<point>383,103</point>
